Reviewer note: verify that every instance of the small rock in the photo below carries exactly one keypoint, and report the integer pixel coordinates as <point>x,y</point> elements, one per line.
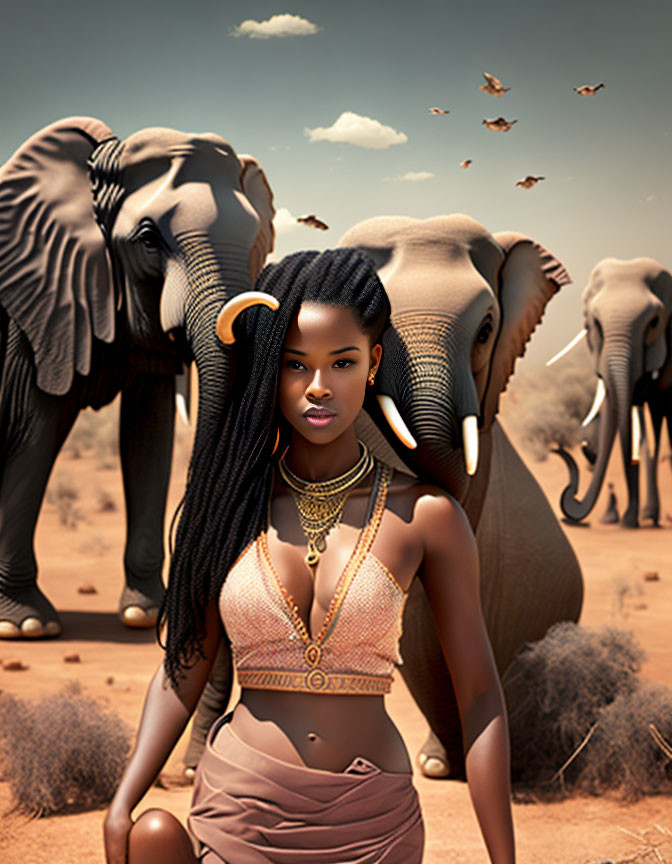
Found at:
<point>13,665</point>
<point>109,680</point>
<point>640,606</point>
<point>72,658</point>
<point>87,588</point>
<point>652,576</point>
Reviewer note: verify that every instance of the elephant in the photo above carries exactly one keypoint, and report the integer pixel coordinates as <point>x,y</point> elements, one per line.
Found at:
<point>464,304</point>
<point>627,310</point>
<point>115,259</point>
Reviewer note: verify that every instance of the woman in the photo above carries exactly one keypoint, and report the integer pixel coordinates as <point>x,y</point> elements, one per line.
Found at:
<point>305,548</point>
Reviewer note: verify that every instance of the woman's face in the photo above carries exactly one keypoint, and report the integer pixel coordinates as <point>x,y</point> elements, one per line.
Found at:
<point>325,365</point>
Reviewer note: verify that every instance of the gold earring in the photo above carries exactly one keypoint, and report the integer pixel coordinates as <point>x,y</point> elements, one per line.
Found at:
<point>372,376</point>
<point>277,441</point>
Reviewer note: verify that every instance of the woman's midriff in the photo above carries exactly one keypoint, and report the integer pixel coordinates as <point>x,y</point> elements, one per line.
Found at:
<point>320,731</point>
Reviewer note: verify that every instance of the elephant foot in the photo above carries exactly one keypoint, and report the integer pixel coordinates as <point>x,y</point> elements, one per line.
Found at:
<point>139,607</point>
<point>27,614</point>
<point>435,762</point>
<point>630,520</point>
<point>652,513</point>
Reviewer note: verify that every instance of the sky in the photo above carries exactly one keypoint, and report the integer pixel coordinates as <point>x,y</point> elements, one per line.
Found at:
<point>334,101</point>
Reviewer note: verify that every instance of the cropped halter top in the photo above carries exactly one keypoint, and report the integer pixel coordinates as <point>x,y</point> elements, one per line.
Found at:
<point>357,646</point>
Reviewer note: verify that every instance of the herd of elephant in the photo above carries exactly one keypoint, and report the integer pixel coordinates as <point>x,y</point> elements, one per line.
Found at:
<point>116,257</point>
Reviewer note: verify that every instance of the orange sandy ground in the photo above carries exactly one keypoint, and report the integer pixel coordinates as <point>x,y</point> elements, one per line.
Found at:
<point>577,831</point>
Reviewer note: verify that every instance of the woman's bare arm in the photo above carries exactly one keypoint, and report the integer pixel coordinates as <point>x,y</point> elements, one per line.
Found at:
<point>451,580</point>
<point>164,716</point>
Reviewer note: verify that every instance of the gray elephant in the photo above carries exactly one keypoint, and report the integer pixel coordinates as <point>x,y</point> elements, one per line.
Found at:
<point>627,309</point>
<point>115,259</point>
<point>464,304</point>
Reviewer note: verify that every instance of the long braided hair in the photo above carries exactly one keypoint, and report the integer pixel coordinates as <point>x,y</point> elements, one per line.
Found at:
<point>229,483</point>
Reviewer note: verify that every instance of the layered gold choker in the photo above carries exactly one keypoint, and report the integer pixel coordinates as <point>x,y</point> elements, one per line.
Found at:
<point>320,504</point>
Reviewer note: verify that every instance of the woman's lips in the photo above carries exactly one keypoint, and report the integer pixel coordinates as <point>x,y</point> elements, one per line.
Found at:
<point>318,418</point>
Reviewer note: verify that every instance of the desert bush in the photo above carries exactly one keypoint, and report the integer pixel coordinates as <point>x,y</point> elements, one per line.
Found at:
<point>62,494</point>
<point>551,402</point>
<point>580,718</point>
<point>63,754</point>
<point>96,432</point>
<point>106,503</point>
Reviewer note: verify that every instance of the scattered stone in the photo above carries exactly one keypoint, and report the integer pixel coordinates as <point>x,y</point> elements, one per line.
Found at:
<point>640,606</point>
<point>87,588</point>
<point>13,664</point>
<point>652,576</point>
<point>109,680</point>
<point>72,658</point>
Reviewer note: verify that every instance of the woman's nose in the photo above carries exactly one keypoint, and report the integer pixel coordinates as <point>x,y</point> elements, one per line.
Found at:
<point>318,387</point>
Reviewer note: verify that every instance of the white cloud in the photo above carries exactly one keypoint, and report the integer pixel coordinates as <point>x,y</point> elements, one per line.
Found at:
<point>284,222</point>
<point>650,198</point>
<point>277,25</point>
<point>413,176</point>
<point>351,128</point>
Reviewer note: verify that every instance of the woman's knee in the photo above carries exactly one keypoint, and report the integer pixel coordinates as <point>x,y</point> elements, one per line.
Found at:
<point>158,836</point>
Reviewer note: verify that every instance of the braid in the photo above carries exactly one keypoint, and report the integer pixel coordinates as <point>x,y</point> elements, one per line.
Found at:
<point>229,482</point>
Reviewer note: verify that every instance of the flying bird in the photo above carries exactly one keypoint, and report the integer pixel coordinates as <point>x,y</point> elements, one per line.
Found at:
<point>529,181</point>
<point>588,89</point>
<point>499,125</point>
<point>313,222</point>
<point>439,111</point>
<point>465,164</point>
<point>493,86</point>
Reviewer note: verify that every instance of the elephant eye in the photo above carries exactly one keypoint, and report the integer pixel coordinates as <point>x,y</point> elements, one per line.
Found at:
<point>484,333</point>
<point>148,234</point>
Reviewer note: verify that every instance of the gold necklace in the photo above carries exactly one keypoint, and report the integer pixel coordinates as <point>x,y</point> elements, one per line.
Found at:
<point>320,504</point>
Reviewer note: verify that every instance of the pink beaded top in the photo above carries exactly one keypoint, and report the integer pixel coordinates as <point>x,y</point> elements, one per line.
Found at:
<point>357,646</point>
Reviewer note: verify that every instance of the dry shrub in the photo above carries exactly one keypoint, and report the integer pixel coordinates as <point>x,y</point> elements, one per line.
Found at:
<point>106,503</point>
<point>63,754</point>
<point>96,432</point>
<point>551,402</point>
<point>62,494</point>
<point>580,717</point>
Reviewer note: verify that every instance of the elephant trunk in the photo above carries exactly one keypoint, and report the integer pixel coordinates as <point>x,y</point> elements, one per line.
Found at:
<point>616,416</point>
<point>214,277</point>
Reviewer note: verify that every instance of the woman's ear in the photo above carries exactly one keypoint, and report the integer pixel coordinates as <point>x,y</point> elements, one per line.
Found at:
<point>376,354</point>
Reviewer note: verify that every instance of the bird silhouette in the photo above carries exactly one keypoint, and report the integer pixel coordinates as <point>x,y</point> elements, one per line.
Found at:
<point>313,222</point>
<point>529,181</point>
<point>588,89</point>
<point>439,111</point>
<point>493,86</point>
<point>499,124</point>
<point>465,164</point>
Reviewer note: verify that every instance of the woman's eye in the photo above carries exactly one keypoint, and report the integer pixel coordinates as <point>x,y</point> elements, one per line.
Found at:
<point>295,364</point>
<point>343,363</point>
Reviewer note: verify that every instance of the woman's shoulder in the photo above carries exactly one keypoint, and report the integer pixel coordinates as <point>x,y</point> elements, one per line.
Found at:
<point>428,506</point>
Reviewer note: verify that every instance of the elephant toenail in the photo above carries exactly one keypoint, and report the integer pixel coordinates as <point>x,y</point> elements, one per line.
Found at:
<point>434,767</point>
<point>9,630</point>
<point>32,627</point>
<point>134,616</point>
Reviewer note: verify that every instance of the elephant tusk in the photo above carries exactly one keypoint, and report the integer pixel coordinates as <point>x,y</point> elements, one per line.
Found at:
<point>575,341</point>
<point>636,434</point>
<point>396,421</point>
<point>235,306</point>
<point>600,394</point>
<point>470,443</point>
<point>655,374</point>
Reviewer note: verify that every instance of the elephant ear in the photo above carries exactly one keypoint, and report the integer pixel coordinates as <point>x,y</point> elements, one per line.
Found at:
<point>256,188</point>
<point>529,277</point>
<point>55,276</point>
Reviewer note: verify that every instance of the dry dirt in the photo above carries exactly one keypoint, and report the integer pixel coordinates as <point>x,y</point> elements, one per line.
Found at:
<point>576,831</point>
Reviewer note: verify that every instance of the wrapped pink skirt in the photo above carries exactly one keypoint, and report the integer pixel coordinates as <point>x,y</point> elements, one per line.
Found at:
<point>251,808</point>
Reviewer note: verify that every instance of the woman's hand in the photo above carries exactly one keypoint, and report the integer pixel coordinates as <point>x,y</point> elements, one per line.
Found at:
<point>116,828</point>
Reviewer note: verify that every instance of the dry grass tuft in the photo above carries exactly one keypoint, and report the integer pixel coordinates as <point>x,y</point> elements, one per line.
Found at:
<point>581,718</point>
<point>63,754</point>
<point>63,495</point>
<point>96,432</point>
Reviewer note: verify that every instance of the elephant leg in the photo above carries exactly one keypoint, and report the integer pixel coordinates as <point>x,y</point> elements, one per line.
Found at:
<point>146,427</point>
<point>212,704</point>
<point>427,677</point>
<point>630,518</point>
<point>33,428</point>
<point>652,507</point>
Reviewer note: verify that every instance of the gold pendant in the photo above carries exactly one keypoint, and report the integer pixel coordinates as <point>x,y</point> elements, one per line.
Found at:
<point>312,557</point>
